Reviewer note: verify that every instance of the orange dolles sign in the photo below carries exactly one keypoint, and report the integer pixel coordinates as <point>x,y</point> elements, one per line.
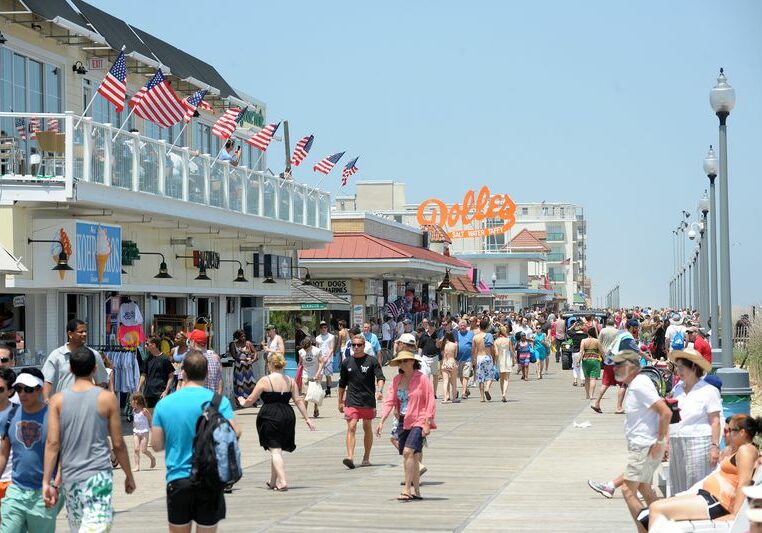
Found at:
<point>475,208</point>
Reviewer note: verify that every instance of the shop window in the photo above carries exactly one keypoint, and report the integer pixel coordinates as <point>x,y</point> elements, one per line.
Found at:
<point>12,320</point>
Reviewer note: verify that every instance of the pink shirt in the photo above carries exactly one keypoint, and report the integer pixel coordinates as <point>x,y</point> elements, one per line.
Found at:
<point>421,405</point>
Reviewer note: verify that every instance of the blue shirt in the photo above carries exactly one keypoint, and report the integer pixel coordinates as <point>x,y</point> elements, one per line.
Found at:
<point>177,415</point>
<point>465,343</point>
<point>373,340</point>
<point>27,434</point>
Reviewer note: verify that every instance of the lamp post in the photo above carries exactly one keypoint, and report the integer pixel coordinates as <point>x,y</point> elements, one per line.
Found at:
<point>723,98</point>
<point>711,168</point>
<point>703,208</point>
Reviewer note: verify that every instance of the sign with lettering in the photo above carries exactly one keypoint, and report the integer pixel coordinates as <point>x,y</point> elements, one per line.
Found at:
<point>96,63</point>
<point>99,254</point>
<point>316,306</point>
<point>209,259</point>
<point>334,286</point>
<point>476,208</point>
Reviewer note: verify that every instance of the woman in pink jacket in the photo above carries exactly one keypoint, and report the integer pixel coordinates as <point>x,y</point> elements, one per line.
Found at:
<point>412,396</point>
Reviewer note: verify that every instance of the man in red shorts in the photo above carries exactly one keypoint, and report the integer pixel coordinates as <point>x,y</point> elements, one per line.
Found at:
<point>607,337</point>
<point>361,381</point>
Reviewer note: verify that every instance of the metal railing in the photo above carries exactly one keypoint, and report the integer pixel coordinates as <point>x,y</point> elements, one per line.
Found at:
<point>555,237</point>
<point>94,152</point>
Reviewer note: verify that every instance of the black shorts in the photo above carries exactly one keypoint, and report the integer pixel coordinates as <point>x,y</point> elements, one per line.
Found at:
<point>151,401</point>
<point>187,503</point>
<point>411,438</point>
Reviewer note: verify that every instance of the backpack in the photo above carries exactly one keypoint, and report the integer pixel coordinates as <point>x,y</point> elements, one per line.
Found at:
<point>663,387</point>
<point>678,340</point>
<point>216,454</point>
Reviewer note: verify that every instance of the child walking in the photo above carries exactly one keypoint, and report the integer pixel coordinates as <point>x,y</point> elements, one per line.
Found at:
<point>141,425</point>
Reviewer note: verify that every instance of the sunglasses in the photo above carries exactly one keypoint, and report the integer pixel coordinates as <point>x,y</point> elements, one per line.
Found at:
<point>733,430</point>
<point>24,388</point>
<point>5,360</point>
<point>358,344</point>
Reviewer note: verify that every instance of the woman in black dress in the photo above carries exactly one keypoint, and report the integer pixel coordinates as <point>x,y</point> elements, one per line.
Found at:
<point>276,421</point>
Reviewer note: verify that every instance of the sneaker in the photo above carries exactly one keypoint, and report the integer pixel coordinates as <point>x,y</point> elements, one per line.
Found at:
<point>604,489</point>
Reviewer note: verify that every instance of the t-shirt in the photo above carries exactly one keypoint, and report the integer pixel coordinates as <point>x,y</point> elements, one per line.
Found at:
<point>370,338</point>
<point>27,434</point>
<point>129,314</point>
<point>358,376</point>
<point>561,329</point>
<point>606,338</point>
<point>177,415</point>
<point>57,371</point>
<point>157,371</point>
<point>703,347</point>
<point>428,345</point>
<point>671,332</point>
<point>386,331</point>
<point>6,476</point>
<point>695,408</point>
<point>641,423</point>
<point>465,343</point>
<point>311,361</point>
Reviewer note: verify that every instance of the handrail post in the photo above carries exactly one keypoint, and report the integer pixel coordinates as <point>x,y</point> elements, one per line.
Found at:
<point>69,153</point>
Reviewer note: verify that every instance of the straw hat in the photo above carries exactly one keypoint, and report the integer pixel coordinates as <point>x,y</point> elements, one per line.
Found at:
<point>402,356</point>
<point>693,356</point>
<point>676,319</point>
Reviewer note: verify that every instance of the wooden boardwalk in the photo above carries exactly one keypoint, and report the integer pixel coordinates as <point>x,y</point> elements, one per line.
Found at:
<point>518,466</point>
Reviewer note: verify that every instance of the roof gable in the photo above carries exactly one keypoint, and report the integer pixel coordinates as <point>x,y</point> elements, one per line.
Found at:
<point>525,240</point>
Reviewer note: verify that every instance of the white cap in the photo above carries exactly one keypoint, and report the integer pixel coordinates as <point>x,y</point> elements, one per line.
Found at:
<point>407,338</point>
<point>28,380</point>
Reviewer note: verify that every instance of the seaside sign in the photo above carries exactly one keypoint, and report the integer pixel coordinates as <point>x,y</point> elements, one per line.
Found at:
<point>474,211</point>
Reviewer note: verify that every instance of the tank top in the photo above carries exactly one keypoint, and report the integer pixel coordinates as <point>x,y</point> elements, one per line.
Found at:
<point>722,483</point>
<point>84,432</point>
<point>140,422</point>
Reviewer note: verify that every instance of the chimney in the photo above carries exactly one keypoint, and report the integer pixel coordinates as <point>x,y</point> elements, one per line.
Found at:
<point>425,239</point>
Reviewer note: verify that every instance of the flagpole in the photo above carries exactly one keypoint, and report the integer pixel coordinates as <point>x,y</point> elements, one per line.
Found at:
<point>132,109</point>
<point>84,113</point>
<point>178,137</point>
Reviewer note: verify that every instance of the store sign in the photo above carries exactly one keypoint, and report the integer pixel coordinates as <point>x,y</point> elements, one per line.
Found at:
<point>339,287</point>
<point>94,253</point>
<point>502,297</point>
<point>312,306</point>
<point>474,209</point>
<point>19,301</point>
<point>210,260</point>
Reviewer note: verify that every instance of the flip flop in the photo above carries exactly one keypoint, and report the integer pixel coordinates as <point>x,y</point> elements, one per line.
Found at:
<point>423,471</point>
<point>487,394</point>
<point>619,412</point>
<point>596,409</point>
<point>404,497</point>
<point>348,463</point>
<point>365,463</point>
<point>280,489</point>
<point>267,484</point>
<point>416,497</point>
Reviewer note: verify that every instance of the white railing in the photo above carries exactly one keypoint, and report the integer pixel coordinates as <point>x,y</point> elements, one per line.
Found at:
<point>95,153</point>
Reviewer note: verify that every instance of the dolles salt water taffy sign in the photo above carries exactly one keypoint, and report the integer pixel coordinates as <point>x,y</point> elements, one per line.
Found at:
<point>475,209</point>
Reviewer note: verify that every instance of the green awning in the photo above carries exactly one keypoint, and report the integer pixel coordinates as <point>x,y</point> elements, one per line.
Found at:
<point>579,299</point>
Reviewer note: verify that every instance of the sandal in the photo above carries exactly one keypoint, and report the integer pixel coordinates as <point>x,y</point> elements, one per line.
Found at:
<point>416,496</point>
<point>404,497</point>
<point>267,484</point>
<point>596,409</point>
<point>281,489</point>
<point>365,463</point>
<point>349,463</point>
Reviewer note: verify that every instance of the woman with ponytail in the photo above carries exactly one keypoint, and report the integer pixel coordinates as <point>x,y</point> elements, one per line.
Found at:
<point>721,492</point>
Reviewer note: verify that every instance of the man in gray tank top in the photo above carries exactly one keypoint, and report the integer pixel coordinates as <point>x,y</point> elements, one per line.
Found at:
<point>80,420</point>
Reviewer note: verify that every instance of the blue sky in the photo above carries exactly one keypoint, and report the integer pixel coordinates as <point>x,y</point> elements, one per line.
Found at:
<point>600,103</point>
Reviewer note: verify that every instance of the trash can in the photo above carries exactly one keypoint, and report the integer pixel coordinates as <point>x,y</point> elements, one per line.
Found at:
<point>736,393</point>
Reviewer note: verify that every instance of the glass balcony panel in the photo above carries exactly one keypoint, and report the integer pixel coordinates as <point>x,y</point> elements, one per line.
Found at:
<point>298,204</point>
<point>555,237</point>
<point>284,211</point>
<point>217,184</point>
<point>325,209</point>
<point>173,174</point>
<point>196,168</point>
<point>148,167</point>
<point>122,157</point>
<point>555,257</point>
<point>79,149</point>
<point>235,189</point>
<point>252,194</point>
<point>98,136</point>
<point>269,191</point>
<point>311,210</point>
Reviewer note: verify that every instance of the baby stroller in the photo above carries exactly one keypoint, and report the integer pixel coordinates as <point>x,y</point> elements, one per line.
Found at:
<point>566,354</point>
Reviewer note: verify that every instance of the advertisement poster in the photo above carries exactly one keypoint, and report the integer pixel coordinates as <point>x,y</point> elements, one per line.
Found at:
<point>358,314</point>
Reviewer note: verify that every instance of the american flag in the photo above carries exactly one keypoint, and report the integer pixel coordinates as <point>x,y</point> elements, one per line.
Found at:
<point>192,102</point>
<point>566,261</point>
<point>301,150</point>
<point>262,138</point>
<point>206,107</point>
<point>349,169</point>
<point>52,124</point>
<point>114,86</point>
<point>158,103</point>
<point>21,128</point>
<point>393,309</point>
<point>328,163</point>
<point>227,123</point>
<point>34,127</point>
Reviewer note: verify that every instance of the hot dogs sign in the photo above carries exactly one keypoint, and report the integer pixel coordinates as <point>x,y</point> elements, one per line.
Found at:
<point>475,210</point>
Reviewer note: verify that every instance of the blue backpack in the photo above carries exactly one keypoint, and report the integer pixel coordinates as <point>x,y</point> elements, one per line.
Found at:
<point>216,454</point>
<point>678,341</point>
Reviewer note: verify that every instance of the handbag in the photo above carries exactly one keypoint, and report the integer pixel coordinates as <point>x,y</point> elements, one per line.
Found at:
<point>532,356</point>
<point>298,378</point>
<point>315,393</point>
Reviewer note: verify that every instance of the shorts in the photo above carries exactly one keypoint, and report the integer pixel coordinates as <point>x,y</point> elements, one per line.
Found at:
<point>591,368</point>
<point>640,467</point>
<point>24,510</point>
<point>359,413</point>
<point>88,503</point>
<point>151,401</point>
<point>434,365</point>
<point>328,367</point>
<point>608,376</point>
<point>714,508</point>
<point>3,488</point>
<point>188,503</point>
<point>411,438</point>
<point>465,369</point>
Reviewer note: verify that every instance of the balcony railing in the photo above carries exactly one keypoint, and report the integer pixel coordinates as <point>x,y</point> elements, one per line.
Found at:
<point>555,257</point>
<point>555,237</point>
<point>93,152</point>
<point>554,276</point>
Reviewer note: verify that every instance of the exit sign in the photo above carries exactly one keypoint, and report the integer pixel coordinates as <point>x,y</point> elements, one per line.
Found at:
<point>96,63</point>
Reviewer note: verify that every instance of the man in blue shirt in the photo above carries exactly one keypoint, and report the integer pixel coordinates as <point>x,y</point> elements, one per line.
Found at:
<point>226,155</point>
<point>174,427</point>
<point>465,340</point>
<point>371,338</point>
<point>23,508</point>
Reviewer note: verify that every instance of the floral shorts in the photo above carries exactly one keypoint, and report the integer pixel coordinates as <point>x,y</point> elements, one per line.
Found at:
<point>88,503</point>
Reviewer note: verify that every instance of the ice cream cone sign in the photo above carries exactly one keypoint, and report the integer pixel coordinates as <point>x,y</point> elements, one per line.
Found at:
<point>102,252</point>
<point>55,249</point>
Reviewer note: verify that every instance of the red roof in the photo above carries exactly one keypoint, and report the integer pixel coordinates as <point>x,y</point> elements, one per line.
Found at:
<point>525,240</point>
<point>436,233</point>
<point>364,246</point>
<point>540,234</point>
<point>463,284</point>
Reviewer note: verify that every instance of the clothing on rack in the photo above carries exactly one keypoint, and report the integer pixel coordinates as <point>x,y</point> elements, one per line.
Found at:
<point>126,365</point>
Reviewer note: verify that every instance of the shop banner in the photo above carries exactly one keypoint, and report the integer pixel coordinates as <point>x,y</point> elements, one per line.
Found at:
<point>339,287</point>
<point>94,253</point>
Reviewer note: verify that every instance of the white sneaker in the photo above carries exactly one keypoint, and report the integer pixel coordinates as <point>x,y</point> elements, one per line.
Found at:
<point>604,489</point>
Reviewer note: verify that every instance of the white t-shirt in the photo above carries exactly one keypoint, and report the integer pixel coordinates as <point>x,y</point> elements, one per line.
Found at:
<point>695,408</point>
<point>129,314</point>
<point>311,361</point>
<point>6,476</point>
<point>327,343</point>
<point>386,331</point>
<point>641,423</point>
<point>670,333</point>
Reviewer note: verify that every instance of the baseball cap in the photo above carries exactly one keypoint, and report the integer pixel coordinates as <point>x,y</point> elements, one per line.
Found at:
<point>407,338</point>
<point>692,329</point>
<point>28,380</point>
<point>269,326</point>
<point>198,336</point>
<point>628,356</point>
<point>323,323</point>
<point>407,321</point>
<point>633,322</point>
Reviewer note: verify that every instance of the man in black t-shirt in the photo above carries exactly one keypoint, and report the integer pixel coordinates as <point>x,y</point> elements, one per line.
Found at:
<point>156,376</point>
<point>427,347</point>
<point>361,379</point>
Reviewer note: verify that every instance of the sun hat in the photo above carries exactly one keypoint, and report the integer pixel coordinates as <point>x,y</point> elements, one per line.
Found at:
<point>676,319</point>
<point>693,356</point>
<point>407,338</point>
<point>402,356</point>
<point>629,356</point>
<point>198,336</point>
